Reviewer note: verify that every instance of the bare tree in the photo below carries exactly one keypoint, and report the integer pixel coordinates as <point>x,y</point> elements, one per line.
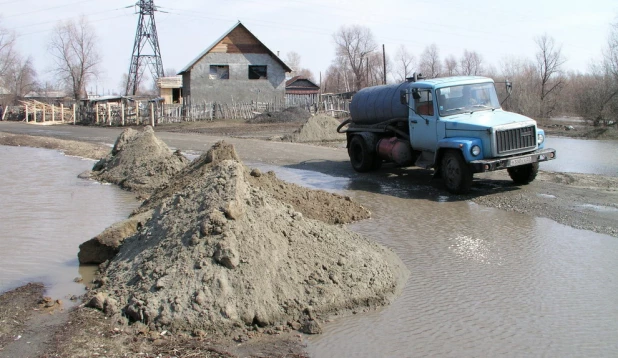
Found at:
<point>20,78</point>
<point>471,64</point>
<point>338,77</point>
<point>293,61</point>
<point>595,95</point>
<point>355,43</point>
<point>404,64</point>
<point>8,53</point>
<point>73,47</point>
<point>450,66</point>
<point>375,68</point>
<point>169,72</point>
<point>521,72</point>
<point>549,63</point>
<point>430,64</point>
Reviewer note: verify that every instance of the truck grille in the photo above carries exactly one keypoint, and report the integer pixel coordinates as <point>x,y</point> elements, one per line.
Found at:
<point>511,140</point>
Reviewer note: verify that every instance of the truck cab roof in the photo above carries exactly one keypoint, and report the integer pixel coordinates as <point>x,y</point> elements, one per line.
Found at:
<point>441,82</point>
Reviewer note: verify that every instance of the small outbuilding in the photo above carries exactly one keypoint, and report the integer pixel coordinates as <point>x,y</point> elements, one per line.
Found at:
<point>237,67</point>
<point>170,89</point>
<point>301,90</point>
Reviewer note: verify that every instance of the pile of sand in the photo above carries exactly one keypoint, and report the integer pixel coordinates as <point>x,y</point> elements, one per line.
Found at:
<point>139,162</point>
<point>220,253</point>
<point>290,114</point>
<point>321,128</point>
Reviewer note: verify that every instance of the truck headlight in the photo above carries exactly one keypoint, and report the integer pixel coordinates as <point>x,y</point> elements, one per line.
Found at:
<point>475,150</point>
<point>540,138</point>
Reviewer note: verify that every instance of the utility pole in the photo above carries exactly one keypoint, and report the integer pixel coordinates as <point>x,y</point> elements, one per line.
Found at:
<point>146,34</point>
<point>384,63</point>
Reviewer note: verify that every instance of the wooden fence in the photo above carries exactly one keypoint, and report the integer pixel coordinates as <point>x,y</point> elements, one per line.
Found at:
<point>128,113</point>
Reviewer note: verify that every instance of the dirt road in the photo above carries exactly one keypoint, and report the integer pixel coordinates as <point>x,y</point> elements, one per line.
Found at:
<point>578,200</point>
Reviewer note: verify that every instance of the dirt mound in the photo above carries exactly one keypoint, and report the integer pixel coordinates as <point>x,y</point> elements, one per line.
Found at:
<point>320,128</point>
<point>314,204</point>
<point>290,114</point>
<point>221,254</point>
<point>139,162</point>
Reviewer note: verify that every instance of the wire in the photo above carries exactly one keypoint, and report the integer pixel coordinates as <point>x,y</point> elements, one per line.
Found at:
<point>49,8</point>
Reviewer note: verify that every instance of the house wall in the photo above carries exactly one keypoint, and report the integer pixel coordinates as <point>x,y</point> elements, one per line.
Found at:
<point>199,87</point>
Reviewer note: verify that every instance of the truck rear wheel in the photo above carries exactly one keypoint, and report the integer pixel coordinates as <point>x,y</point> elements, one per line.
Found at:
<point>456,173</point>
<point>362,157</point>
<point>523,174</point>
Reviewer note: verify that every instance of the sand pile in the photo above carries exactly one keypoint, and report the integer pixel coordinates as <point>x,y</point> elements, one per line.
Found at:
<point>321,128</point>
<point>220,253</point>
<point>290,114</point>
<point>139,162</point>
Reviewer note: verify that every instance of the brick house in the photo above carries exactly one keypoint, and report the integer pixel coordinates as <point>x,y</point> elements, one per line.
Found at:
<point>235,68</point>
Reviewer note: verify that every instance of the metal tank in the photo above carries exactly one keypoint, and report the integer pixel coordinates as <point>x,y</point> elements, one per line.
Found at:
<point>376,104</point>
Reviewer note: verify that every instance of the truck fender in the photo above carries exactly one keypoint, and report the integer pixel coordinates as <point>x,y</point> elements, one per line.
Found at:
<point>459,143</point>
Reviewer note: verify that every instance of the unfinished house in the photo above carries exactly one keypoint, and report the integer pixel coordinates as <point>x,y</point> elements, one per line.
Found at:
<point>236,68</point>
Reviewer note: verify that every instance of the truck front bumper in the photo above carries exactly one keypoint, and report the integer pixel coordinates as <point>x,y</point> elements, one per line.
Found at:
<point>488,165</point>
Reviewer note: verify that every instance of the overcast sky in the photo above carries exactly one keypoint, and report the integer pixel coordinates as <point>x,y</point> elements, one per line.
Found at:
<point>496,29</point>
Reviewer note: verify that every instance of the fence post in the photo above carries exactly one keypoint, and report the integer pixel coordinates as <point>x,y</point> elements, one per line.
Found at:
<point>136,113</point>
<point>152,114</point>
<point>25,105</point>
<point>96,113</point>
<point>122,113</point>
<point>74,113</point>
<point>109,113</point>
<point>43,112</point>
<point>53,113</point>
<point>62,112</point>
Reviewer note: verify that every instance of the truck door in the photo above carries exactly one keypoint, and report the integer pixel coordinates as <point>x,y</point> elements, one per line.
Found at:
<point>423,132</point>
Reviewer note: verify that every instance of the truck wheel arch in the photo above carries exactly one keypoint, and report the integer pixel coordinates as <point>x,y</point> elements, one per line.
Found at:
<point>455,171</point>
<point>362,152</point>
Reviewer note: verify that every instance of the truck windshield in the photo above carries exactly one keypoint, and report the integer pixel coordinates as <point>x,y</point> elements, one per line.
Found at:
<point>467,98</point>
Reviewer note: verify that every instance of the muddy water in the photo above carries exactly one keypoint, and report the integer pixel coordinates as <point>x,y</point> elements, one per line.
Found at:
<point>583,156</point>
<point>45,213</point>
<point>484,282</point>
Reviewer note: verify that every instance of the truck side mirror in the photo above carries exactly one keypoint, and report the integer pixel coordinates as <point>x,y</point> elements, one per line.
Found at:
<point>509,86</point>
<point>403,97</point>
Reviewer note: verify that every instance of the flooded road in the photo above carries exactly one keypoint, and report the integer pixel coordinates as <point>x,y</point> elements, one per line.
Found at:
<point>46,213</point>
<point>583,156</point>
<point>483,281</point>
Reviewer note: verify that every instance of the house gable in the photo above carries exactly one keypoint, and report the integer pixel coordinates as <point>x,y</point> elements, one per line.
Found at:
<point>238,40</point>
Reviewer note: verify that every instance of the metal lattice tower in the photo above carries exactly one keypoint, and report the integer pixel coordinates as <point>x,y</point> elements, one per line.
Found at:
<point>146,34</point>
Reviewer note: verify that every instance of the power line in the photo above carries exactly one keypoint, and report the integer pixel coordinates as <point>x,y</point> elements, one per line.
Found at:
<point>49,8</point>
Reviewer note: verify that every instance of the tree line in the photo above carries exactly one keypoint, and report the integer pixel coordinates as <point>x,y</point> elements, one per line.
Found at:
<point>542,86</point>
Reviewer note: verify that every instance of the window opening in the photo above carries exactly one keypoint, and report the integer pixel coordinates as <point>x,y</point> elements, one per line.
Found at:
<point>219,72</point>
<point>257,72</point>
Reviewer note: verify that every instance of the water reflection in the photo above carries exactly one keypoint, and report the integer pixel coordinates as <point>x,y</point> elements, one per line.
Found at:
<point>47,212</point>
<point>583,156</point>
<point>484,282</point>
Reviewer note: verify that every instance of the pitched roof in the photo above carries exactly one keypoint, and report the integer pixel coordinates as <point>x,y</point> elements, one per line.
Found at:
<point>303,81</point>
<point>207,50</point>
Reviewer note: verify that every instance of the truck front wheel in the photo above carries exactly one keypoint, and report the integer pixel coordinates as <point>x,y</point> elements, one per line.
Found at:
<point>456,173</point>
<point>523,174</point>
<point>362,157</point>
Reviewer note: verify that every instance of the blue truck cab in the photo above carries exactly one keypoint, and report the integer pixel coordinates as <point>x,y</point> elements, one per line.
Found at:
<point>454,125</point>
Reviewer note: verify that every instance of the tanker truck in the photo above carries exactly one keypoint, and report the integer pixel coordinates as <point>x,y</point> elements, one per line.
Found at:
<point>453,125</point>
